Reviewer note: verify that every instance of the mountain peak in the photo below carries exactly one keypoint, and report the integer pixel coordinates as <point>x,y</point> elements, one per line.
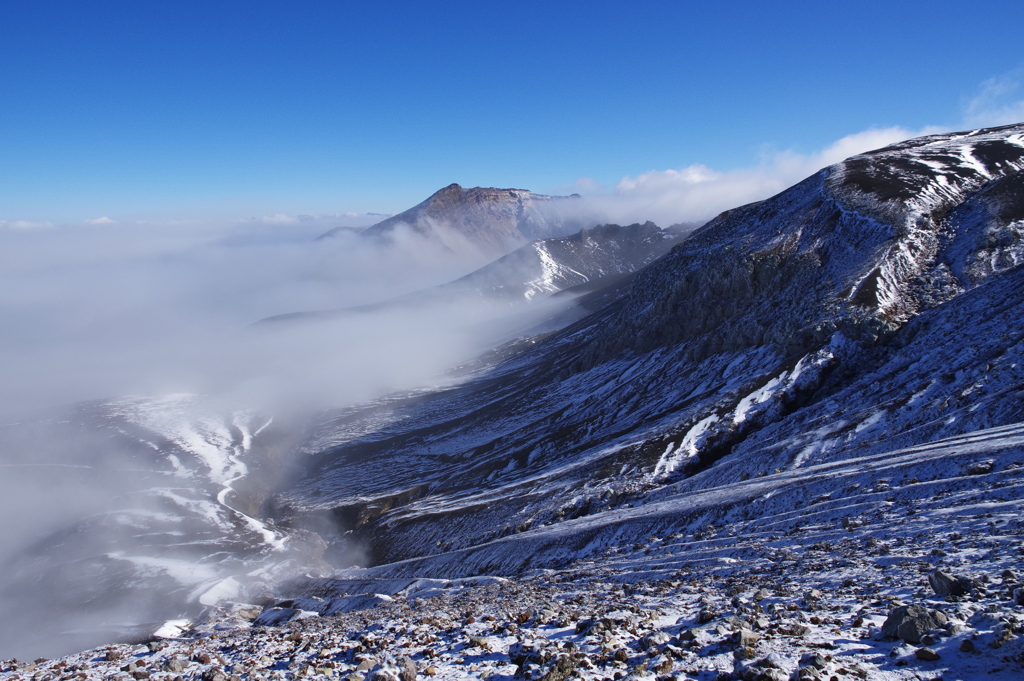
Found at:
<point>488,221</point>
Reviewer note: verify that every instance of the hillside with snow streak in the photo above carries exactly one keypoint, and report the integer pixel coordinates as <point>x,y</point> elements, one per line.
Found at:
<point>843,307</point>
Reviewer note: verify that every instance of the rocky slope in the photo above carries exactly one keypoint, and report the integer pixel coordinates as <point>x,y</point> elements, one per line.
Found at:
<point>902,567</point>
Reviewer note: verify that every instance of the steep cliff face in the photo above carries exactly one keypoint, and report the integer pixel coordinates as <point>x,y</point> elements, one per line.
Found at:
<point>483,220</point>
<point>733,355</point>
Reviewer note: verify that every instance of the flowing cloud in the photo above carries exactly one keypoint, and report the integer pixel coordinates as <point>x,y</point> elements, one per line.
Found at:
<point>107,309</point>
<point>325,221</point>
<point>697,193</point>
<point>100,221</point>
<point>998,101</point>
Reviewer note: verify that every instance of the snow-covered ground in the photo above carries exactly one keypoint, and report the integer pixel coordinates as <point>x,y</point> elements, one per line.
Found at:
<point>790,575</point>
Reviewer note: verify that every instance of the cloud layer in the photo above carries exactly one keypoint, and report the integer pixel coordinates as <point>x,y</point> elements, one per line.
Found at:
<point>107,309</point>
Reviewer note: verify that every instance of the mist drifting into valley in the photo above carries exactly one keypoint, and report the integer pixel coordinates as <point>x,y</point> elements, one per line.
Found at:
<point>149,409</point>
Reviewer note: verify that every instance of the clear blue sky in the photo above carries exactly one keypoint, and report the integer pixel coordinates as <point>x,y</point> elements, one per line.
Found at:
<point>160,109</point>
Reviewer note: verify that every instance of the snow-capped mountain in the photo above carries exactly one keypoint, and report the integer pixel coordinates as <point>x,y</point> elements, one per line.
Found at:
<point>483,220</point>
<point>871,307</point>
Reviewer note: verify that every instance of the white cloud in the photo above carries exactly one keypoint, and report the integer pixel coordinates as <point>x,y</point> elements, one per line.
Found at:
<point>697,193</point>
<point>999,101</point>
<point>326,220</point>
<point>99,221</point>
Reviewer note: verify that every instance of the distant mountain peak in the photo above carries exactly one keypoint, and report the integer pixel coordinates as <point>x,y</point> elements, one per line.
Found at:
<point>487,221</point>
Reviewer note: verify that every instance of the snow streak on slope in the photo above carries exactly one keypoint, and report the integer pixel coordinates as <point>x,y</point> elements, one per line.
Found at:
<point>218,444</point>
<point>169,525</point>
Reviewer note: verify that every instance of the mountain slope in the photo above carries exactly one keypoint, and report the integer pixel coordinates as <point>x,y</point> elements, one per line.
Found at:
<point>772,317</point>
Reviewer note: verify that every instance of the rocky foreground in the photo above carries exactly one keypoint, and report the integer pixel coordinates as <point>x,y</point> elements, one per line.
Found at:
<point>918,591</point>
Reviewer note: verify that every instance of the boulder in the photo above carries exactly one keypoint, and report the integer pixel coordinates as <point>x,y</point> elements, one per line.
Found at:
<point>911,622</point>
<point>406,669</point>
<point>947,585</point>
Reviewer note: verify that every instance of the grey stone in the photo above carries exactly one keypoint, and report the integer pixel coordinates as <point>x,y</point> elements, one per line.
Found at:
<point>911,622</point>
<point>177,665</point>
<point>654,640</point>
<point>406,669</point>
<point>381,674</point>
<point>745,637</point>
<point>794,629</point>
<point>560,670</point>
<point>947,585</point>
<point>275,616</point>
<point>926,654</point>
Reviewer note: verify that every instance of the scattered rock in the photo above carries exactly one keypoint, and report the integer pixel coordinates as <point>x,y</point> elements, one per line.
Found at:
<point>562,668</point>
<point>926,654</point>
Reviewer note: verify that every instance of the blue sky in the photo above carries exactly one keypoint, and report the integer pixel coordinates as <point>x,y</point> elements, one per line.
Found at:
<point>179,110</point>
